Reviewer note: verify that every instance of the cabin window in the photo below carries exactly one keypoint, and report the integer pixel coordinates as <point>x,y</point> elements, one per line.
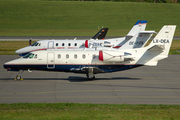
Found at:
<point>69,44</point>
<point>94,56</point>
<point>39,44</point>
<point>56,44</point>
<point>67,56</point>
<point>75,56</point>
<point>75,44</point>
<point>83,56</point>
<point>62,44</point>
<point>35,56</point>
<point>59,56</point>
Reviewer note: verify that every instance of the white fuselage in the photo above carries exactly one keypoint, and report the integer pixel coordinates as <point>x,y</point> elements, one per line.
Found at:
<point>68,44</point>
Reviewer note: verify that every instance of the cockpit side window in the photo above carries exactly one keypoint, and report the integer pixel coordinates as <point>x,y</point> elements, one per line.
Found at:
<point>35,56</point>
<point>34,44</point>
<point>31,56</point>
<point>27,55</point>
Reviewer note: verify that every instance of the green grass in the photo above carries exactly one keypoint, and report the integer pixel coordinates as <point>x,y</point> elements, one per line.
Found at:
<point>64,111</point>
<point>77,18</point>
<point>9,47</point>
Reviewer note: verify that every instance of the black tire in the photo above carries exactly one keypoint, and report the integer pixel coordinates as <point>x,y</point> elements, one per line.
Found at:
<point>18,77</point>
<point>92,78</point>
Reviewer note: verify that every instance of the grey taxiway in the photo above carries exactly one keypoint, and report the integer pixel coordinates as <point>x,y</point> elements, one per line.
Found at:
<point>143,85</point>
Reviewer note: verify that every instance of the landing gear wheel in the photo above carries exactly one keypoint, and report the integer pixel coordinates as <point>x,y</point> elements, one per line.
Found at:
<point>18,77</point>
<point>92,78</point>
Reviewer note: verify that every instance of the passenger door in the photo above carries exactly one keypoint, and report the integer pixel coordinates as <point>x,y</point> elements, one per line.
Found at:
<point>50,60</point>
<point>50,44</point>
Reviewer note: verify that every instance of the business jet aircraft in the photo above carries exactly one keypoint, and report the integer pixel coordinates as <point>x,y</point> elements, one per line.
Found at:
<point>58,44</point>
<point>139,26</point>
<point>93,62</point>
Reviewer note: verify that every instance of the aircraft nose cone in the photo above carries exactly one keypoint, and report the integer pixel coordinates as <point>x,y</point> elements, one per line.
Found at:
<point>17,51</point>
<point>5,66</point>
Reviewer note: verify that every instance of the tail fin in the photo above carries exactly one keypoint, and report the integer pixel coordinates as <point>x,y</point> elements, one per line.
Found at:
<point>101,34</point>
<point>143,38</point>
<point>140,25</point>
<point>138,41</point>
<point>159,48</point>
<point>164,38</point>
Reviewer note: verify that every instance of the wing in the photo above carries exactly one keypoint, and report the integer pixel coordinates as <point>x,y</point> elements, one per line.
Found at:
<point>95,70</point>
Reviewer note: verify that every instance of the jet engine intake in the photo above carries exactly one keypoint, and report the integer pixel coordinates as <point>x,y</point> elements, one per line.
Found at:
<point>111,56</point>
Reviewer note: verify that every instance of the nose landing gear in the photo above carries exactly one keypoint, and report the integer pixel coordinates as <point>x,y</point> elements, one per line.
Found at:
<point>18,77</point>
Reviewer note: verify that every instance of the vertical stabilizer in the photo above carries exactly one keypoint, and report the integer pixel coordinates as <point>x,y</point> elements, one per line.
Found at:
<point>101,34</point>
<point>138,41</point>
<point>159,48</point>
<point>164,39</point>
<point>140,25</point>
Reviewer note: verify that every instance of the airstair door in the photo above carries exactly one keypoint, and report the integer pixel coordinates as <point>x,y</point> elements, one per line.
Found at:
<point>50,60</point>
<point>50,44</point>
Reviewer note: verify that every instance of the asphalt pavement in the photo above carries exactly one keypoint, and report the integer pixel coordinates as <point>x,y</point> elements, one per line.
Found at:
<point>143,85</point>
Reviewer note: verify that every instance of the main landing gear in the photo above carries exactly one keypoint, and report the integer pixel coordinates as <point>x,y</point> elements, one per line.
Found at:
<point>90,78</point>
<point>90,74</point>
<point>18,77</point>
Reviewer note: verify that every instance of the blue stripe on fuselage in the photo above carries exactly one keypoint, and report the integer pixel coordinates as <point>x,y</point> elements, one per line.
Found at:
<point>68,68</point>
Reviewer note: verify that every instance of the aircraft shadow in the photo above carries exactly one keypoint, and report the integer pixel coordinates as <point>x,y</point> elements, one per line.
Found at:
<point>76,79</point>
<point>83,79</point>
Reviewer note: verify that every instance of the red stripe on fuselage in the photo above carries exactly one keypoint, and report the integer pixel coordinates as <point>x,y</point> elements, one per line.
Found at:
<point>116,46</point>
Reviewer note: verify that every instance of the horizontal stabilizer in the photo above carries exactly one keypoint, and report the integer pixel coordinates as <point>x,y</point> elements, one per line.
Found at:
<point>147,32</point>
<point>157,48</point>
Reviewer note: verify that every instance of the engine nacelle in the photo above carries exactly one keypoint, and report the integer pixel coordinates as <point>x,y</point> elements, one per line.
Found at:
<point>96,43</point>
<point>86,44</point>
<point>92,43</point>
<point>111,56</point>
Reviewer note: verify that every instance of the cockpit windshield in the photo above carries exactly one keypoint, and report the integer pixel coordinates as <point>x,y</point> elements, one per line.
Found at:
<point>36,44</point>
<point>29,55</point>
